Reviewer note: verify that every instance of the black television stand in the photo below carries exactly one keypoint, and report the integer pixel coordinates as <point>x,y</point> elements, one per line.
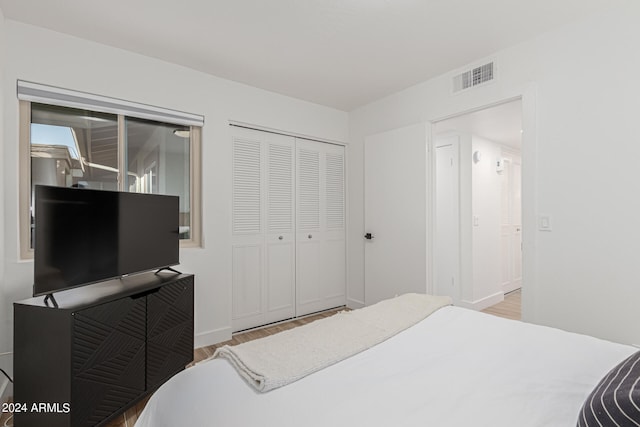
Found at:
<point>102,348</point>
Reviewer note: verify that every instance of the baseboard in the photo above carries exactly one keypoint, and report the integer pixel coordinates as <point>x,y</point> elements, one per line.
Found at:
<point>483,303</point>
<point>354,304</point>
<point>212,337</point>
<point>511,287</point>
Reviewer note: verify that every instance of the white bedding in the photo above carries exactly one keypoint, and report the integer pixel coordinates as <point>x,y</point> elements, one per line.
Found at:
<point>455,368</point>
<point>283,358</point>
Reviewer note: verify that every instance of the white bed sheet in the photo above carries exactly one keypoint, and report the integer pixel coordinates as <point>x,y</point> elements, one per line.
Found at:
<point>455,368</point>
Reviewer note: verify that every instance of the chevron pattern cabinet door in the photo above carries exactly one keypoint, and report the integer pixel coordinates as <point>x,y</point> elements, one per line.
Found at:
<point>103,349</point>
<point>169,331</point>
<point>108,359</point>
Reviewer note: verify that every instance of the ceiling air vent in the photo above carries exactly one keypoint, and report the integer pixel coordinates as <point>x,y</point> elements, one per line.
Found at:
<point>474,77</point>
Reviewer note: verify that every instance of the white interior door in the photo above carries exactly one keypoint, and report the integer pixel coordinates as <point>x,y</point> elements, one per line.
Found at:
<point>447,218</point>
<point>511,223</point>
<point>321,244</point>
<point>263,228</point>
<point>395,209</point>
<point>247,251</point>
<point>280,242</point>
<point>516,202</point>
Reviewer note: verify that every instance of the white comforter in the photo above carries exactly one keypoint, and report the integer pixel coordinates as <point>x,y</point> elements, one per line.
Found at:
<point>281,359</point>
<point>455,368</point>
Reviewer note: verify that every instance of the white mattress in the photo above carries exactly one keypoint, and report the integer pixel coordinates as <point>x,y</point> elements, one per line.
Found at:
<point>455,368</point>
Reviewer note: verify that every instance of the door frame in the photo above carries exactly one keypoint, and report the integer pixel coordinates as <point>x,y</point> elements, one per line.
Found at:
<point>231,128</point>
<point>529,192</point>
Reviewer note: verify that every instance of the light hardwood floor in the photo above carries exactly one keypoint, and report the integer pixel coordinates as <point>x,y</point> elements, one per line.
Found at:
<point>509,308</point>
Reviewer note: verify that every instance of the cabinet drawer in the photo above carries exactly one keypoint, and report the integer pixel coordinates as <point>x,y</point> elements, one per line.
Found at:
<point>108,359</point>
<point>169,331</point>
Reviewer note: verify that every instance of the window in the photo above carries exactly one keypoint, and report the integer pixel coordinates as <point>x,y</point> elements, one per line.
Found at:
<point>76,147</point>
<point>157,159</point>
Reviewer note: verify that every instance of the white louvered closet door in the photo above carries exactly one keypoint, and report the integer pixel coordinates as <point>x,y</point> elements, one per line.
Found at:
<point>320,212</point>
<point>263,221</point>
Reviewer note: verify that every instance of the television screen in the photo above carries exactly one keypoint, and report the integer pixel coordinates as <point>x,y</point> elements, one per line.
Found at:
<point>84,236</point>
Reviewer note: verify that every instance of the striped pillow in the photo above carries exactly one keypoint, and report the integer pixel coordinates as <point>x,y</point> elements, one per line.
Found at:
<point>615,401</point>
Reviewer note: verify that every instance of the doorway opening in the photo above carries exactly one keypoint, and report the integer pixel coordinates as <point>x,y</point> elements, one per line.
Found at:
<point>477,240</point>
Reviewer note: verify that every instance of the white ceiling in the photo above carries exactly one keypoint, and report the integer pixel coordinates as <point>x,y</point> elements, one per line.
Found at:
<point>338,53</point>
<point>501,123</point>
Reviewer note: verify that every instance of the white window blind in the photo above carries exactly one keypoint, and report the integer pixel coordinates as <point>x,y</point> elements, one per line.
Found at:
<point>35,92</point>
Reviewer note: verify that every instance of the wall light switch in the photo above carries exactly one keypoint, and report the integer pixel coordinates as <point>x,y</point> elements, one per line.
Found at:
<point>544,223</point>
<point>476,221</point>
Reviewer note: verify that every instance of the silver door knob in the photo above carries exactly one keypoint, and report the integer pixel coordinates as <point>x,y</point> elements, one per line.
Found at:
<point>310,236</point>
<point>280,237</point>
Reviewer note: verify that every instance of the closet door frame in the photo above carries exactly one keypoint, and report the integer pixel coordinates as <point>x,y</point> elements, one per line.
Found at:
<point>265,313</point>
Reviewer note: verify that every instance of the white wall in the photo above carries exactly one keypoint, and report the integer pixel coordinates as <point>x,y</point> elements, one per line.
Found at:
<point>4,314</point>
<point>580,156</point>
<point>39,55</point>
<point>2,62</point>
<point>6,360</point>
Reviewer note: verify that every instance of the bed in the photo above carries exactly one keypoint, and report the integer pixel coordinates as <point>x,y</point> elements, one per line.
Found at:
<point>456,367</point>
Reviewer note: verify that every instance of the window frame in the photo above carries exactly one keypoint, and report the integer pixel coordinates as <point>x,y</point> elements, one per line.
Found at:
<point>24,136</point>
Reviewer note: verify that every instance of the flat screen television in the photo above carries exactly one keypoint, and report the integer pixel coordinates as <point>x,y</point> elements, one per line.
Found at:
<point>85,236</point>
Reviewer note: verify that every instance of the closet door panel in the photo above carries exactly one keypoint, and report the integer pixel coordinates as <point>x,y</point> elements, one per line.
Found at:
<point>263,228</point>
<point>247,231</point>
<point>320,258</point>
<point>247,187</point>
<point>309,276</point>
<point>308,187</point>
<point>334,268</point>
<point>334,191</point>
<point>280,236</point>
<point>280,277</point>
<point>309,239</point>
<point>334,254</point>
<point>247,286</point>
